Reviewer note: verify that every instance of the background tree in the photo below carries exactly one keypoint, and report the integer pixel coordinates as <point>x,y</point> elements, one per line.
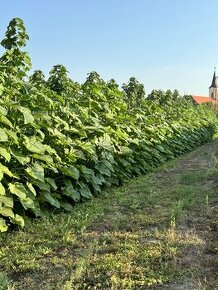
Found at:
<point>112,84</point>
<point>59,81</point>
<point>38,79</point>
<point>134,93</point>
<point>93,78</point>
<point>164,97</point>
<point>14,60</point>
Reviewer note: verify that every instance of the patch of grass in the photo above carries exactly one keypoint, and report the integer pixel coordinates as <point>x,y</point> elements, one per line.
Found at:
<point>4,282</point>
<point>127,238</point>
<point>192,178</point>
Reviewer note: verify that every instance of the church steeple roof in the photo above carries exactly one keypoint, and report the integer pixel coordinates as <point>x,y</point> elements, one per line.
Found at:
<point>214,83</point>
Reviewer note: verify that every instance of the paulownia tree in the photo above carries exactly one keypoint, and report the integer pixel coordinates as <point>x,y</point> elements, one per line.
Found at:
<point>60,83</point>
<point>15,61</point>
<point>134,93</point>
<point>37,79</point>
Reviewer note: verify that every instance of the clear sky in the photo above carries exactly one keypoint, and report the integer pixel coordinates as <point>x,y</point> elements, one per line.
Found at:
<point>163,43</point>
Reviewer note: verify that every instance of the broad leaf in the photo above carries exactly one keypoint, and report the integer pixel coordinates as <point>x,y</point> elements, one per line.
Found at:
<point>7,201</point>
<point>53,201</point>
<point>2,189</point>
<point>5,121</point>
<point>70,171</point>
<point>3,111</point>
<point>33,145</point>
<point>21,158</point>
<point>28,117</point>
<point>18,189</point>
<point>5,170</point>
<point>70,191</point>
<point>51,181</point>
<point>3,226</point>
<point>31,188</point>
<point>4,152</point>
<point>3,135</point>
<point>36,171</point>
<point>47,158</point>
<point>6,211</point>
<point>85,191</point>
<point>18,220</point>
<point>67,206</point>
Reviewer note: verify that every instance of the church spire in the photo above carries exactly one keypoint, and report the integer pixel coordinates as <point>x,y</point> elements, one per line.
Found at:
<point>214,83</point>
<point>213,89</point>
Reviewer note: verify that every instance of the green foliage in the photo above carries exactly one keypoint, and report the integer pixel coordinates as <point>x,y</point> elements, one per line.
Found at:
<point>163,98</point>
<point>59,81</point>
<point>61,143</point>
<point>37,79</point>
<point>134,93</point>
<point>4,281</point>
<point>14,60</point>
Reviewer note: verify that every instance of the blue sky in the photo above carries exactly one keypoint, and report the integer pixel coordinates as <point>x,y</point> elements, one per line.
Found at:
<point>163,43</point>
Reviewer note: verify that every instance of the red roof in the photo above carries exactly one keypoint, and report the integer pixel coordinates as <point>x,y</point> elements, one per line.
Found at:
<point>201,99</point>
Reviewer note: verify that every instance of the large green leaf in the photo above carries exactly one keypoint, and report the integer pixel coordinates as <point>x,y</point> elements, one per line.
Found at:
<point>103,169</point>
<point>6,211</point>
<point>27,203</point>
<point>3,135</point>
<point>36,146</point>
<point>52,200</point>
<point>18,189</point>
<point>6,121</point>
<point>96,186</point>
<point>5,170</point>
<point>52,182</point>
<point>28,117</point>
<point>2,189</point>
<point>33,145</point>
<point>36,171</point>
<point>5,153</point>
<point>104,142</point>
<point>108,165</point>
<point>70,171</point>
<point>3,111</point>
<point>18,220</point>
<point>97,180</point>
<point>3,226</point>
<point>70,191</point>
<point>7,201</point>
<point>13,136</point>
<point>31,188</point>
<point>66,206</point>
<point>44,157</point>
<point>20,157</point>
<point>49,150</point>
<point>85,191</point>
<point>86,171</point>
<point>45,186</point>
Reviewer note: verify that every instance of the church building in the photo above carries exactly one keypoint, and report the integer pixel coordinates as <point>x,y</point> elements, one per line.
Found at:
<point>213,93</point>
<point>213,89</point>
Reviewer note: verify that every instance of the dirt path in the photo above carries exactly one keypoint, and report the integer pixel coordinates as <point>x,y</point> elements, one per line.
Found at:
<point>200,222</point>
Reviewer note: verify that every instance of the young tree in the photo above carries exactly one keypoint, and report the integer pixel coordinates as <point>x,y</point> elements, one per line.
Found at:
<point>15,61</point>
<point>134,93</point>
<point>164,97</point>
<point>38,79</point>
<point>93,78</point>
<point>112,84</point>
<point>59,81</point>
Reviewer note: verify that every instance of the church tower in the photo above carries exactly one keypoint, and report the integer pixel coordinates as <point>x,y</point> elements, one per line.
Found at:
<point>213,89</point>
